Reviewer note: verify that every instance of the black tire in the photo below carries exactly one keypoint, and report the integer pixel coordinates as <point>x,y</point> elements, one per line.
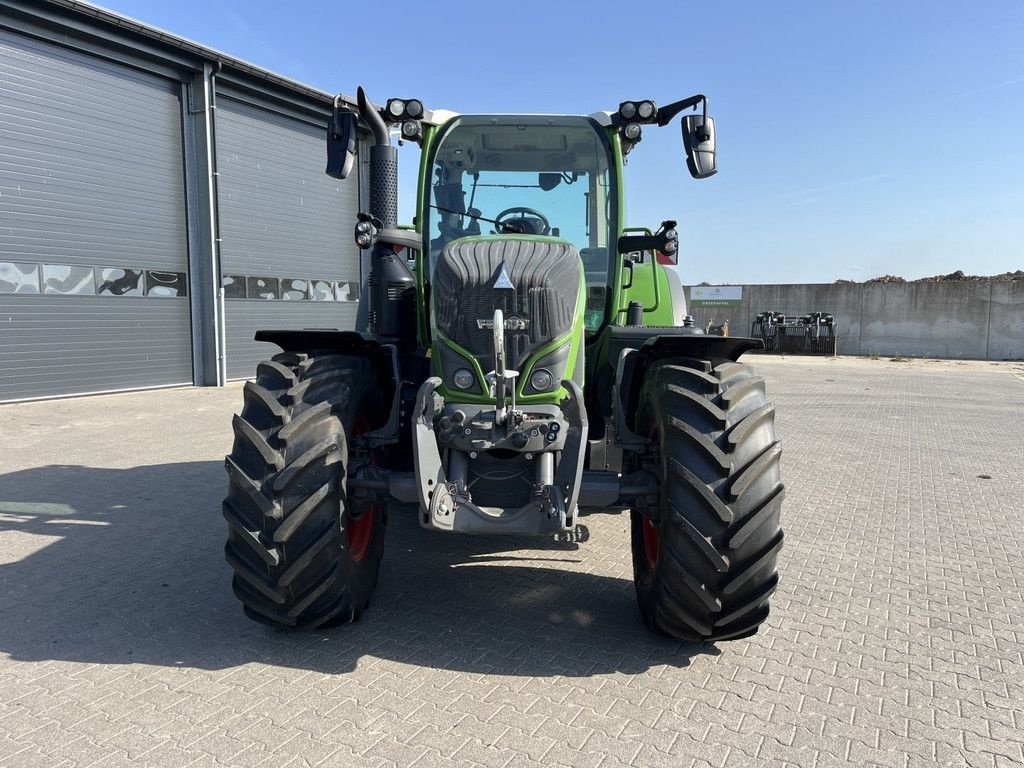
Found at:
<point>304,553</point>
<point>704,555</point>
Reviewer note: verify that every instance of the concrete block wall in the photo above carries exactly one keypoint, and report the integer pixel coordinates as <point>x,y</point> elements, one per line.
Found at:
<point>972,320</point>
<point>1006,322</point>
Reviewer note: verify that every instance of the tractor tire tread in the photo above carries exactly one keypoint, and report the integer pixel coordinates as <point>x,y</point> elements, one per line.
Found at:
<point>244,431</point>
<point>719,513</point>
<point>242,534</point>
<point>700,440</point>
<point>286,504</point>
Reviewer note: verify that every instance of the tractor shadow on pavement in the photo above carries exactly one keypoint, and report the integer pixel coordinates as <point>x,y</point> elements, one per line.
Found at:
<point>120,566</point>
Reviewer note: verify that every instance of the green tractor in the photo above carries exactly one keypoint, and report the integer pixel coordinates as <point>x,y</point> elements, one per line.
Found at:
<point>525,359</point>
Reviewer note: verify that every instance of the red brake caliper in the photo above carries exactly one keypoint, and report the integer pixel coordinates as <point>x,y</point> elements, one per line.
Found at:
<point>360,529</point>
<point>652,539</point>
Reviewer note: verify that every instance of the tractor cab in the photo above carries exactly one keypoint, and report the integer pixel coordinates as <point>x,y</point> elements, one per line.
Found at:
<point>530,176</point>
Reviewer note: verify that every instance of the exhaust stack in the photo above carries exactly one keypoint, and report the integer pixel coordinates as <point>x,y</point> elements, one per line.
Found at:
<point>391,286</point>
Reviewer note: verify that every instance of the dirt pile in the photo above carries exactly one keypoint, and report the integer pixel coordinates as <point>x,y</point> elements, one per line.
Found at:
<point>952,277</point>
<point>887,279</point>
<point>1005,277</point>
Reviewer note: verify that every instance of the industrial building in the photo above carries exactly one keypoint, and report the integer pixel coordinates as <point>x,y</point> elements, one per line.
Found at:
<point>159,202</point>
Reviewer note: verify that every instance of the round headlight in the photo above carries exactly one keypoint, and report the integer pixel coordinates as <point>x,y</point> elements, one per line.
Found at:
<point>627,109</point>
<point>410,129</point>
<point>646,110</point>
<point>363,240</point>
<point>541,380</point>
<point>632,131</point>
<point>363,226</point>
<point>414,108</point>
<point>396,107</point>
<point>463,378</point>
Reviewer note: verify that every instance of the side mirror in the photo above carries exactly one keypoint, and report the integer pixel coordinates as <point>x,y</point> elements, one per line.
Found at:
<point>699,141</point>
<point>341,143</point>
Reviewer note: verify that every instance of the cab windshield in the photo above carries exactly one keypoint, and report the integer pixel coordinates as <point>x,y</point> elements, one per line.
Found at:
<point>529,175</point>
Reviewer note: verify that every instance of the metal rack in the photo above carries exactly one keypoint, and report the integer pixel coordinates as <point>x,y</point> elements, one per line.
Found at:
<point>811,334</point>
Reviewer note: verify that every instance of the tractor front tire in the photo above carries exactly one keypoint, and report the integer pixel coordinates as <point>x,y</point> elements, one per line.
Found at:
<point>305,553</point>
<point>704,555</point>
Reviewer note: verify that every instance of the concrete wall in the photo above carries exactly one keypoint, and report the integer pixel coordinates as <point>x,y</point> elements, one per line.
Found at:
<point>972,320</point>
<point>1006,322</point>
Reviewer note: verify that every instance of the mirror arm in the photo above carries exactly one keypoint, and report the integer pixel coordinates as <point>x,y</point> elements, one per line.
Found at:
<point>669,111</point>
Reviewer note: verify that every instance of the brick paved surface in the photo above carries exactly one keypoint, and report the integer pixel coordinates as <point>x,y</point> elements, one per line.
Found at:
<point>896,637</point>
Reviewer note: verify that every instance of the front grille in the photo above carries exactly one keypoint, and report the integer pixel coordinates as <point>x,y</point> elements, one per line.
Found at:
<point>545,278</point>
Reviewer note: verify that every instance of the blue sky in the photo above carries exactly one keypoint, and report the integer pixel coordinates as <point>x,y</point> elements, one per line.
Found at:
<point>855,139</point>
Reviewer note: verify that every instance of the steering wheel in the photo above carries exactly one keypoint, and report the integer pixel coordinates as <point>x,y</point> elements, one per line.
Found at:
<point>530,221</point>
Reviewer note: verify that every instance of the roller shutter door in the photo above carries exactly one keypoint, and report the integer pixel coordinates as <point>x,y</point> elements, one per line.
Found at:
<point>93,256</point>
<point>287,255</point>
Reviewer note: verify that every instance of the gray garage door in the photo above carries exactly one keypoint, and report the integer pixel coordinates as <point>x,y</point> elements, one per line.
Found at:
<point>93,293</point>
<point>287,254</point>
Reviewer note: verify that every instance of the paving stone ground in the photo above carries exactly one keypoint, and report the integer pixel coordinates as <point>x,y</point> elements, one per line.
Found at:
<point>895,639</point>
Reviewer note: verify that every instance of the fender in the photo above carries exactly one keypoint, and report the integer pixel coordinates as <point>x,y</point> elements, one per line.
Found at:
<point>635,349</point>
<point>383,357</point>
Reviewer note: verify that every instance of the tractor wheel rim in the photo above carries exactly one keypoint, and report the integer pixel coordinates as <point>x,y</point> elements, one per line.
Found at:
<point>359,531</point>
<point>652,537</point>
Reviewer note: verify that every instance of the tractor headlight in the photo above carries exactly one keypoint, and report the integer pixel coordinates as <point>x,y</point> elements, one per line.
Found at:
<point>463,378</point>
<point>541,380</point>
<point>632,131</point>
<point>627,110</point>
<point>646,110</point>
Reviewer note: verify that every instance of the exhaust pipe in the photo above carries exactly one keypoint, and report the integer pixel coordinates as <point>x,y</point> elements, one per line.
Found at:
<point>371,117</point>
<point>391,286</point>
<point>383,164</point>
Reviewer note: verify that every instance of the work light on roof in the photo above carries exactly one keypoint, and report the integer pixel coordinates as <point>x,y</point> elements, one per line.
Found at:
<point>399,110</point>
<point>414,109</point>
<point>412,130</point>
<point>396,108</point>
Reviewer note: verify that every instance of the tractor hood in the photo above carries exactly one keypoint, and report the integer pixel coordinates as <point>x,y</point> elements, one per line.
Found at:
<point>537,283</point>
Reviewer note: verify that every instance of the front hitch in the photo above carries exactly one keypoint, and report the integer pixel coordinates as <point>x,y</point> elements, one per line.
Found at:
<point>503,379</point>
<point>446,503</point>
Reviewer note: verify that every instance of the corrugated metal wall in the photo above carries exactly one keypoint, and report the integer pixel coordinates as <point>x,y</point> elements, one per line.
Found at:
<point>287,254</point>
<point>93,255</point>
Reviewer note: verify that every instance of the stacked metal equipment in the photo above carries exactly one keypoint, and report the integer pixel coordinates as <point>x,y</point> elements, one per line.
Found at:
<point>812,334</point>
